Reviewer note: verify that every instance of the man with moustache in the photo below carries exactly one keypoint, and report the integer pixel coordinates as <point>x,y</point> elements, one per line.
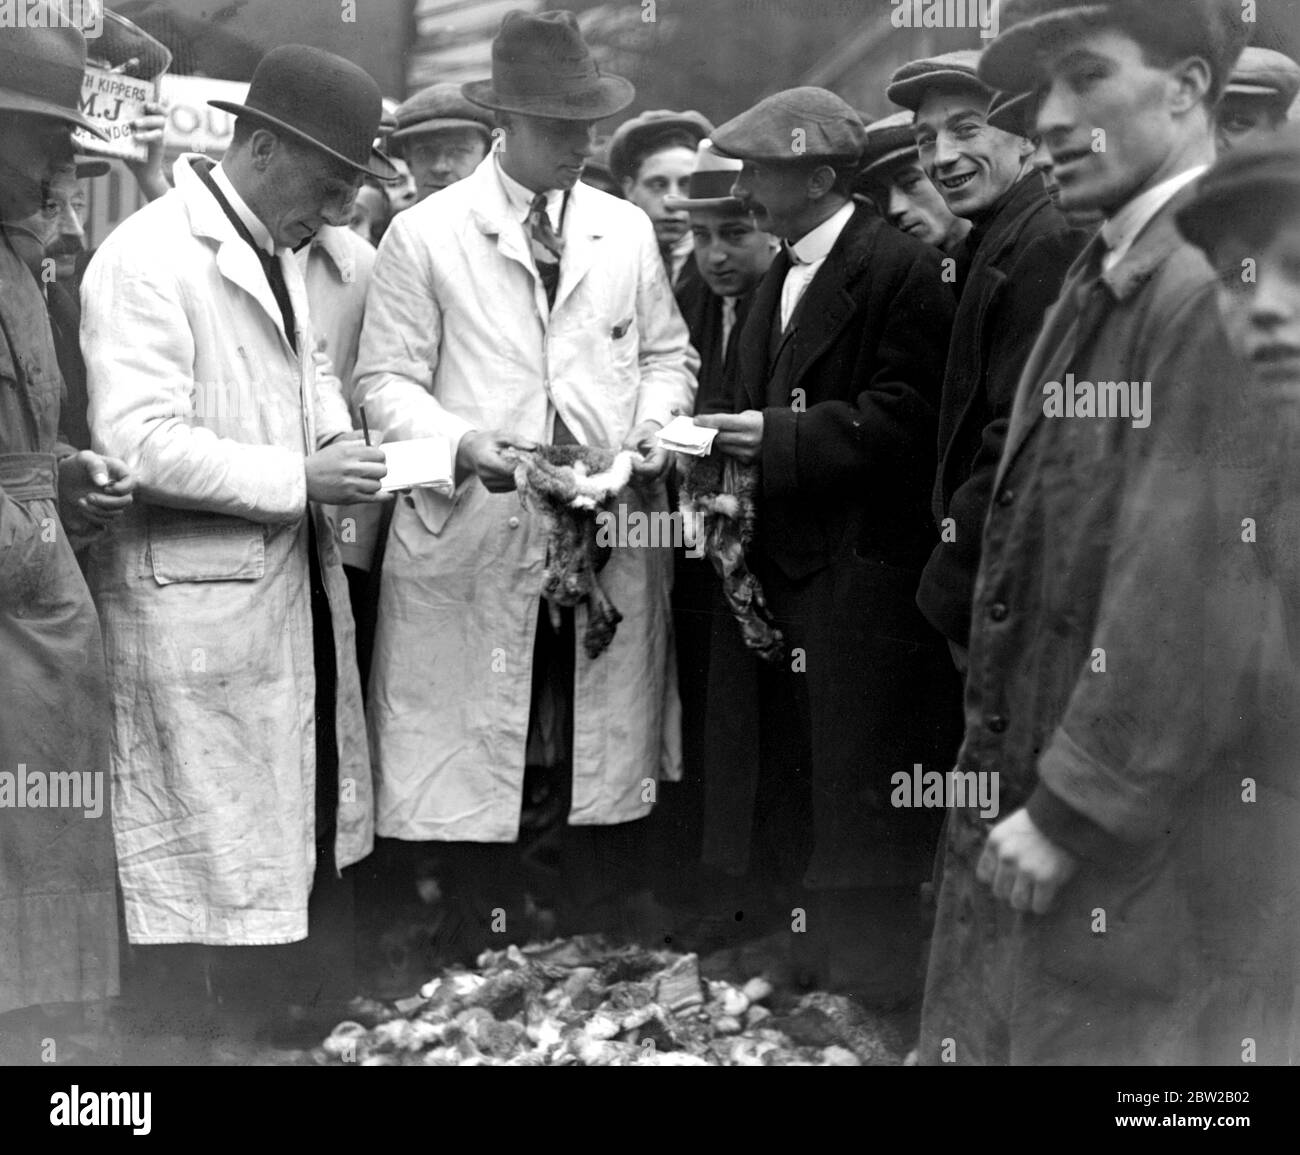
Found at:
<point>442,137</point>
<point>892,176</point>
<point>1015,256</point>
<point>522,306</point>
<point>1099,677</point>
<point>835,401</point>
<point>652,156</point>
<point>58,910</point>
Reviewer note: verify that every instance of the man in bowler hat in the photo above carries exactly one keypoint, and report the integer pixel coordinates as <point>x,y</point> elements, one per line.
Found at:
<point>1102,675</point>
<point>522,306</point>
<point>835,402</point>
<point>239,751</point>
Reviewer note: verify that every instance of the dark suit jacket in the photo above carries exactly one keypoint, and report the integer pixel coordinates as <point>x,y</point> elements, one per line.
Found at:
<point>1019,258</point>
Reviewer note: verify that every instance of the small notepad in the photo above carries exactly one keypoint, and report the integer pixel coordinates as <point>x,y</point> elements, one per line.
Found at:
<point>422,463</point>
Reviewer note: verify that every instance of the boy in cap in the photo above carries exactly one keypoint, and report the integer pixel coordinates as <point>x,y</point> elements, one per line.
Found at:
<point>652,156</point>
<point>1258,98</point>
<point>522,306</point>
<point>442,136</point>
<point>891,175</point>
<point>1246,219</point>
<point>1015,258</point>
<point>1066,930</point>
<point>836,394</point>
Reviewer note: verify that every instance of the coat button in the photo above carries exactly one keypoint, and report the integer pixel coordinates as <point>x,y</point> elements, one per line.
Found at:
<point>998,612</point>
<point>513,523</point>
<point>1006,497</point>
<point>997,723</point>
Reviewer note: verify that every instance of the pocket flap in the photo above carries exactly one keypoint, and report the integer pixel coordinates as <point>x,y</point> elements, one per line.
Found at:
<point>190,546</point>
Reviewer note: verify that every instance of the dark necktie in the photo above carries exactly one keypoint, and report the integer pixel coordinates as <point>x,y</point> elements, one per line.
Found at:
<point>270,263</point>
<point>547,247</point>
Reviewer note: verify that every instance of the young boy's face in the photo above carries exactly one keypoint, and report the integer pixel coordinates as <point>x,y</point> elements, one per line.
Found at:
<point>1259,298</point>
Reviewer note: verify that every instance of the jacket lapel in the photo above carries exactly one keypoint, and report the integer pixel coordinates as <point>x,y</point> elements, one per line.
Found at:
<point>752,358</point>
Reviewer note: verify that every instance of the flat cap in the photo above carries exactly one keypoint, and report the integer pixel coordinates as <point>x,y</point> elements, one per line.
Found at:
<point>799,124</point>
<point>436,107</point>
<point>1251,188</point>
<point>889,139</point>
<point>1015,112</point>
<point>1269,75</point>
<point>910,83</point>
<point>636,138</point>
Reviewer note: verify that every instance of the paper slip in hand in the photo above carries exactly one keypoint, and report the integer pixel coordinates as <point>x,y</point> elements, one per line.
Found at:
<point>424,462</point>
<point>682,435</point>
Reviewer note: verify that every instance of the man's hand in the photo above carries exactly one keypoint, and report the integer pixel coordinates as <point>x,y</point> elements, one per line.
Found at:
<point>740,435</point>
<point>1024,866</point>
<point>148,130</point>
<point>345,471</point>
<point>93,490</point>
<point>654,460</point>
<point>479,454</point>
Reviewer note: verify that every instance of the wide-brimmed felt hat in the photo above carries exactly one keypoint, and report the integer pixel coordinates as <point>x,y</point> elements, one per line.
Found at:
<point>710,183</point>
<point>798,125</point>
<point>1267,75</point>
<point>320,99</point>
<point>1031,29</point>
<point>890,139</point>
<point>636,138</point>
<point>541,66</point>
<point>952,70</point>
<point>41,70</point>
<point>1251,186</point>
<point>438,107</point>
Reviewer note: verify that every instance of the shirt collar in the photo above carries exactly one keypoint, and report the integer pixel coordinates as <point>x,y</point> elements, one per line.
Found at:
<point>520,197</point>
<point>258,231</point>
<point>1120,231</point>
<point>814,246</point>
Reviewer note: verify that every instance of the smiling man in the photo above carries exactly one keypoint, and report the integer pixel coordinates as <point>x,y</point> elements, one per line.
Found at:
<point>835,399</point>
<point>1014,260</point>
<point>1067,929</point>
<point>240,766</point>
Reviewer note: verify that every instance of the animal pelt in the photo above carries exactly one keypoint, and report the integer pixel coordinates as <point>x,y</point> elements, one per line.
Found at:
<point>569,485</point>
<point>718,503</point>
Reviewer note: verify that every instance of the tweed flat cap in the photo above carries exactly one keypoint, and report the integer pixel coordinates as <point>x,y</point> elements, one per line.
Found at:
<point>1269,75</point>
<point>799,124</point>
<point>910,83</point>
<point>636,138</point>
<point>1014,112</point>
<point>436,107</point>
<point>1251,187</point>
<point>1212,29</point>
<point>889,139</point>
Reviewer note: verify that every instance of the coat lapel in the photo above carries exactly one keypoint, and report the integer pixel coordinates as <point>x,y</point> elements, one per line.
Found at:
<point>756,339</point>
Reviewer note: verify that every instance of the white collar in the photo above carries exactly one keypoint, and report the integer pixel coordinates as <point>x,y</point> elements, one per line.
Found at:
<point>520,198</point>
<point>813,247</point>
<point>259,232</point>
<point>1120,231</point>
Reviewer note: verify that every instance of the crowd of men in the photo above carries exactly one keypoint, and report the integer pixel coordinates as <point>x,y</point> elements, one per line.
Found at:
<point>1010,380</point>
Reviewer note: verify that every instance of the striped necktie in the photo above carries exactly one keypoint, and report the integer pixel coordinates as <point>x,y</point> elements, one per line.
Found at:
<point>547,247</point>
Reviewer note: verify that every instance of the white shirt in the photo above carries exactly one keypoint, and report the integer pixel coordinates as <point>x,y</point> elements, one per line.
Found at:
<point>258,231</point>
<point>521,198</point>
<point>807,255</point>
<point>1121,230</point>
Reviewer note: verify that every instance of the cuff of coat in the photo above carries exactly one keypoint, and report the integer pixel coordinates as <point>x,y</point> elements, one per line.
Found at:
<point>653,411</point>
<point>1068,828</point>
<point>780,444</point>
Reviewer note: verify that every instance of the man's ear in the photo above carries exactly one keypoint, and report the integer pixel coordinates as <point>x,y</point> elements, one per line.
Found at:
<point>262,147</point>
<point>628,183</point>
<point>1192,79</point>
<point>820,182</point>
<point>1025,148</point>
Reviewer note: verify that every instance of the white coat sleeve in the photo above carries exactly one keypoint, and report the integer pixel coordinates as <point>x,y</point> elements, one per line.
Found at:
<point>399,344</point>
<point>139,351</point>
<point>332,416</point>
<point>668,361</point>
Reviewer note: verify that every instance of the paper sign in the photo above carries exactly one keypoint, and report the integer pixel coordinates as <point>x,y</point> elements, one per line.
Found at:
<point>682,435</point>
<point>113,100</point>
<point>424,462</point>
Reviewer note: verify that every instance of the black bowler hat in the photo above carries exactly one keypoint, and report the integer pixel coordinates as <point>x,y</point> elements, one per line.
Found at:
<point>320,99</point>
<point>541,66</point>
<point>40,74</point>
